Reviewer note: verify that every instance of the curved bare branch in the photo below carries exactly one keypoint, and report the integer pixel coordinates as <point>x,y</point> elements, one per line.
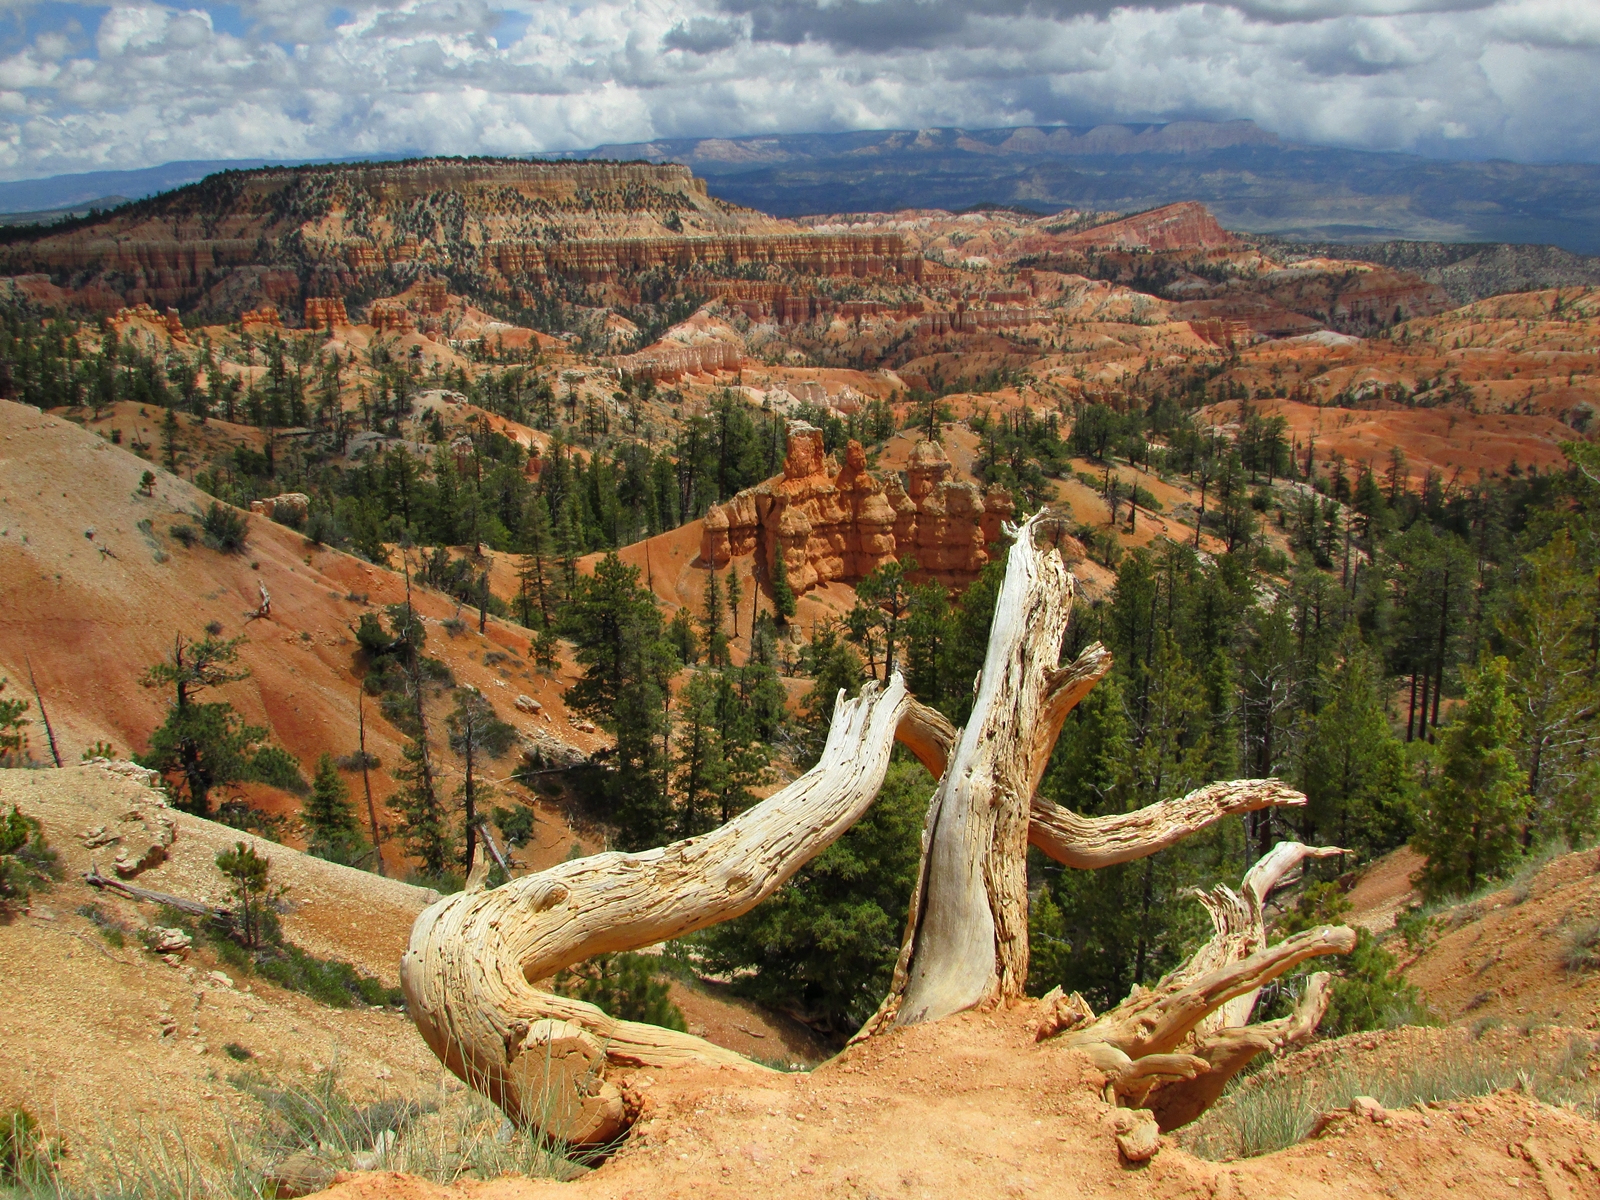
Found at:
<point>1091,842</point>
<point>468,974</point>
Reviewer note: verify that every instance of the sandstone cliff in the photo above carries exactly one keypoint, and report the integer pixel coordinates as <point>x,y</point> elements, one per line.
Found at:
<point>832,523</point>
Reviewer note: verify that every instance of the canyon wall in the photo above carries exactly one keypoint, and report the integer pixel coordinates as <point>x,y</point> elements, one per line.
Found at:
<point>840,523</point>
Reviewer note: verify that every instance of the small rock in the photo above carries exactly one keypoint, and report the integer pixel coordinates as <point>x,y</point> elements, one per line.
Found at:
<point>298,1175</point>
<point>1366,1106</point>
<point>168,942</point>
<point>1138,1136</point>
<point>99,836</point>
<point>219,978</point>
<point>527,703</point>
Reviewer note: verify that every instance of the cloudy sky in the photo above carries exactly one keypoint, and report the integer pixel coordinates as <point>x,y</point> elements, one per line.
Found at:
<point>86,87</point>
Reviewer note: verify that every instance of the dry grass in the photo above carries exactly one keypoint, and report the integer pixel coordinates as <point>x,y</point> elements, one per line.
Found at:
<point>1273,1109</point>
<point>445,1135</point>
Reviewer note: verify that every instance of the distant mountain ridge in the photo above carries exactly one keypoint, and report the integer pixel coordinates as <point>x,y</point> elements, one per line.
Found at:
<point>1252,180</point>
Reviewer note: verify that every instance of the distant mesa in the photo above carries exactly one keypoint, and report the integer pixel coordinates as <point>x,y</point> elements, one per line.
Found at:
<point>282,239</point>
<point>835,523</point>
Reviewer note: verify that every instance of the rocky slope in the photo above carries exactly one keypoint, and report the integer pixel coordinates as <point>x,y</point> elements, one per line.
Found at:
<point>95,583</point>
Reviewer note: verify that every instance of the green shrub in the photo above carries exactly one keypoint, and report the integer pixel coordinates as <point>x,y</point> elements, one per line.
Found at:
<point>515,824</point>
<point>297,1118</point>
<point>1370,992</point>
<point>1580,947</point>
<point>328,981</point>
<point>113,930</point>
<point>27,864</point>
<point>225,528</point>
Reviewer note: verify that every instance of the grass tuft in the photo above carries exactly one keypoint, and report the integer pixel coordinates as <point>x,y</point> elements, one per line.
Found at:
<point>1273,1110</point>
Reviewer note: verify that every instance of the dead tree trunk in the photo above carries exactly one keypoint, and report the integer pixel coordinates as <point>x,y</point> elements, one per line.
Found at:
<point>475,958</point>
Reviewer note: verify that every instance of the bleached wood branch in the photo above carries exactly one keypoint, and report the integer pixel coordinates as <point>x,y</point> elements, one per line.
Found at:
<point>474,957</point>
<point>1092,842</point>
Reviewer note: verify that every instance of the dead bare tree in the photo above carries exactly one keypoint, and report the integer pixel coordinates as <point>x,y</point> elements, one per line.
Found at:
<point>475,958</point>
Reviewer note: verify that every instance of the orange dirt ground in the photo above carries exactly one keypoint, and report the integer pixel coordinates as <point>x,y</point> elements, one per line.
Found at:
<point>973,1106</point>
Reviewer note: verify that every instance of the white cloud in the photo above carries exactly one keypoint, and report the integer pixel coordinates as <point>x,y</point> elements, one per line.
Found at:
<point>155,82</point>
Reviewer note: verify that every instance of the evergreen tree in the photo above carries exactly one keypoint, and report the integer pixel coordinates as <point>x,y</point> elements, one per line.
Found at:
<point>332,830</point>
<point>825,945</point>
<point>248,875</point>
<point>836,668</point>
<point>536,571</point>
<point>1352,767</point>
<point>716,639</point>
<point>683,639</point>
<point>735,596</point>
<point>13,735</point>
<point>475,733</point>
<point>1551,630</point>
<point>1470,828</point>
<point>783,603</point>
<point>424,826</point>
<point>201,746</point>
<point>700,763</point>
<point>627,669</point>
<point>887,594</point>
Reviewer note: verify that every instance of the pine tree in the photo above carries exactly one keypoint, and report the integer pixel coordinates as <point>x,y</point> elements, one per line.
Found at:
<point>735,595</point>
<point>716,637</point>
<point>1352,766</point>
<point>534,577</point>
<point>1470,829</point>
<point>1550,629</point>
<point>783,605</point>
<point>627,671</point>
<point>699,762</point>
<point>424,827</point>
<point>475,734</point>
<point>424,823</point>
<point>332,831</point>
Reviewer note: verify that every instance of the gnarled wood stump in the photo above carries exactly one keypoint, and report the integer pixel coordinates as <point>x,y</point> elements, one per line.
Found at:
<point>470,972</point>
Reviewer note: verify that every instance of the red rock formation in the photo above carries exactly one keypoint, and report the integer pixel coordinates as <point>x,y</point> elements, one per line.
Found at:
<point>390,316</point>
<point>326,312</point>
<point>843,524</point>
<point>260,318</point>
<point>1185,226</point>
<point>430,295</point>
<point>667,362</point>
<point>597,260</point>
<point>1222,332</point>
<point>171,322</point>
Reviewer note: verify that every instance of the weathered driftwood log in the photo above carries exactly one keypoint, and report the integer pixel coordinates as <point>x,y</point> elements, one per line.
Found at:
<point>474,958</point>
<point>470,970</point>
<point>1162,1050</point>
